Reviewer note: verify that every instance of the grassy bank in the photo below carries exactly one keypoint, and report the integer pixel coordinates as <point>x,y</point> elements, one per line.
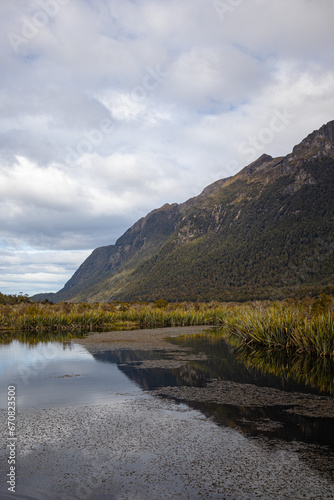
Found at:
<point>65,316</point>
<point>299,326</point>
<point>288,328</point>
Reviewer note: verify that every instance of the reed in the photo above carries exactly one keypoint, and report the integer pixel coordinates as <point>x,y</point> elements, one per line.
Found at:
<point>64,316</point>
<point>302,327</point>
<point>292,329</point>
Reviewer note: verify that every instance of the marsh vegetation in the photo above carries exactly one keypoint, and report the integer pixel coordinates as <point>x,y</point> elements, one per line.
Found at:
<point>304,326</point>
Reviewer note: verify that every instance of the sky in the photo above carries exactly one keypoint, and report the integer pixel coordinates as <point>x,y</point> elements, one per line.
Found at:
<point>112,108</point>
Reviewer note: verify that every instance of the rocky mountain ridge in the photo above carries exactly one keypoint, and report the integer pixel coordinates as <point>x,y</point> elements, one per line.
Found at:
<point>266,232</point>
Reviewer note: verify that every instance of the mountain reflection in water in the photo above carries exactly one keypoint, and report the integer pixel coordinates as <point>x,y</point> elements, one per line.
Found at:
<point>225,363</point>
<point>202,361</point>
<point>228,360</point>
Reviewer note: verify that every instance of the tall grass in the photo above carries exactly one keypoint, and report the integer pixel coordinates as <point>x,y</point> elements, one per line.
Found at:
<point>64,316</point>
<point>301,327</point>
<point>286,327</point>
<point>38,317</point>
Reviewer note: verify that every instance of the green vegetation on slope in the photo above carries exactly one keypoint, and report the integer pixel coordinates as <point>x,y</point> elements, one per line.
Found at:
<point>268,245</point>
<point>265,233</point>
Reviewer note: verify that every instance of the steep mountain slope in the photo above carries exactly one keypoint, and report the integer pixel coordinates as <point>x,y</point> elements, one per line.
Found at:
<point>142,240</point>
<point>266,232</point>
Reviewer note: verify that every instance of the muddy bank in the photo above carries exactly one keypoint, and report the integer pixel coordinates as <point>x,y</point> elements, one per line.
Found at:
<point>231,393</point>
<point>143,340</point>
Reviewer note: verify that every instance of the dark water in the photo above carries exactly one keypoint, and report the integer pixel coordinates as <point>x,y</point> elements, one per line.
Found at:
<point>224,363</point>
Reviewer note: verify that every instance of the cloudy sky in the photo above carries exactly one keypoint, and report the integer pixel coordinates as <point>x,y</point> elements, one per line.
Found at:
<point>111,108</point>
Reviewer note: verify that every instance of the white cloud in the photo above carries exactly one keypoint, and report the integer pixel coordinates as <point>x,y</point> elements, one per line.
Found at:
<point>31,271</point>
<point>182,90</point>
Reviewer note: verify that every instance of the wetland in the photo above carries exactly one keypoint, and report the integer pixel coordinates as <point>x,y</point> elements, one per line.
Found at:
<point>170,413</point>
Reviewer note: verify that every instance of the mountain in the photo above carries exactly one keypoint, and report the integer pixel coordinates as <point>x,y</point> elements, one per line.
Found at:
<point>266,232</point>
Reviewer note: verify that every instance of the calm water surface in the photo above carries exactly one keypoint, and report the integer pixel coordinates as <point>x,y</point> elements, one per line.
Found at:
<point>53,373</point>
<point>49,374</point>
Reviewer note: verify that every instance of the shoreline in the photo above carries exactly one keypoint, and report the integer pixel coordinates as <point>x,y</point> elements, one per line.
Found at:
<point>145,339</point>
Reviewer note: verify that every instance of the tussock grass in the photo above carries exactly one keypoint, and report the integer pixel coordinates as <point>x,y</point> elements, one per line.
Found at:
<point>40,317</point>
<point>282,326</point>
<point>302,327</point>
<point>82,316</point>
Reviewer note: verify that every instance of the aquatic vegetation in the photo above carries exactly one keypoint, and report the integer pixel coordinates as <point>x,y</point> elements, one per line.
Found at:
<point>67,316</point>
<point>39,317</point>
<point>223,351</point>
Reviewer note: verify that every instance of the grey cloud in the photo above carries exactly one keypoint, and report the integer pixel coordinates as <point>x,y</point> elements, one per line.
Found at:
<point>68,183</point>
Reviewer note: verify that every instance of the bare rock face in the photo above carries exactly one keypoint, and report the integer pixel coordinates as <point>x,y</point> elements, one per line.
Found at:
<point>258,165</point>
<point>316,145</point>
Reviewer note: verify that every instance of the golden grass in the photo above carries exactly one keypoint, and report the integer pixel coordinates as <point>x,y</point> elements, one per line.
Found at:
<point>303,327</point>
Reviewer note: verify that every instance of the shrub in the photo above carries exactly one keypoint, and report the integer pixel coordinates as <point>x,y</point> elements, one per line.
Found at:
<point>161,303</point>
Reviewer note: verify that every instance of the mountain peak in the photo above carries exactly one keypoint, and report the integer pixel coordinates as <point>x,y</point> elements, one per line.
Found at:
<point>257,165</point>
<point>317,144</point>
<point>266,232</point>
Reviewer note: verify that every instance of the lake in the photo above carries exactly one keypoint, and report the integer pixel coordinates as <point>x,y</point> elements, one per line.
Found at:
<point>206,392</point>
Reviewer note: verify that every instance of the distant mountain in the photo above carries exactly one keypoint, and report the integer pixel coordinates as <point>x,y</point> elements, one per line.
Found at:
<point>267,232</point>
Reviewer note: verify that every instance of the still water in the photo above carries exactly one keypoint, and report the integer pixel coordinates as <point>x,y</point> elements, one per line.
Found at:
<point>266,449</point>
<point>49,374</point>
<point>58,374</point>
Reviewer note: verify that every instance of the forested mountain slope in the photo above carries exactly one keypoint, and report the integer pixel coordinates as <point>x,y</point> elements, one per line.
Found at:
<point>267,232</point>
